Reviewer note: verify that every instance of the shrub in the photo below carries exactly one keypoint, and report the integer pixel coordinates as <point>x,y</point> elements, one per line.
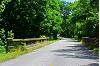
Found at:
<point>3,39</point>
<point>96,50</point>
<point>10,34</point>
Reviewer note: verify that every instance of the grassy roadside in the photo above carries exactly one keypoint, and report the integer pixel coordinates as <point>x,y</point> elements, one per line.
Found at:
<point>96,50</point>
<point>18,52</point>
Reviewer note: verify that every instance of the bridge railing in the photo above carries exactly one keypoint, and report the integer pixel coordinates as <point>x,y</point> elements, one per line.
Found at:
<point>12,43</point>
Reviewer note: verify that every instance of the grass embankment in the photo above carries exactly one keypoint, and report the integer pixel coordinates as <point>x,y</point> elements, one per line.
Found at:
<point>24,50</point>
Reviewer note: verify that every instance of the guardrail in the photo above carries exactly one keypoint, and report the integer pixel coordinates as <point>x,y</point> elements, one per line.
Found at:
<point>90,41</point>
<point>12,43</point>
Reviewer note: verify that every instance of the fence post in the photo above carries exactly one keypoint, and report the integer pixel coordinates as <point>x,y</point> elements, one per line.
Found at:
<point>8,43</point>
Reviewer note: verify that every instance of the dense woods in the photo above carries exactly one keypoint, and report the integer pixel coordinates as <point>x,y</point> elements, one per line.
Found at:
<point>34,18</point>
<point>82,20</point>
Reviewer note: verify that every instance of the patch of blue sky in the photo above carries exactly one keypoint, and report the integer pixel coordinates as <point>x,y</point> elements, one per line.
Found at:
<point>69,0</point>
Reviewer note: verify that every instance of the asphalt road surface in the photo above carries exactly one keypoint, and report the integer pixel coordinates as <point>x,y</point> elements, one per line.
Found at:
<point>65,52</point>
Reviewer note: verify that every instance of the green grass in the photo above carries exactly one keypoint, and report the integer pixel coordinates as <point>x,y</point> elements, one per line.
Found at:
<point>96,50</point>
<point>19,51</point>
<point>52,41</point>
<point>11,55</point>
<point>2,49</point>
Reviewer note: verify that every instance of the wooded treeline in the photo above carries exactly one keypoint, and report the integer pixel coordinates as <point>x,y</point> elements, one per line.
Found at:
<point>34,18</point>
<point>81,19</point>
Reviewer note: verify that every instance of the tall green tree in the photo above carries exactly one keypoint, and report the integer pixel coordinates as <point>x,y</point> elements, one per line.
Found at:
<point>83,20</point>
<point>3,32</point>
<point>24,17</point>
<point>52,23</point>
<point>67,25</point>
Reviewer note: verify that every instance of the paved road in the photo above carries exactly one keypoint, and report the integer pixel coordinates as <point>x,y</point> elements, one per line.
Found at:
<point>66,52</point>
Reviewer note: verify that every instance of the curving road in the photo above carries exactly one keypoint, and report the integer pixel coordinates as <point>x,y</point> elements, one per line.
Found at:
<point>65,52</point>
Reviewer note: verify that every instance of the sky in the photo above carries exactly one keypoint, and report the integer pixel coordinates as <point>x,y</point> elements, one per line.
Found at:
<point>69,0</point>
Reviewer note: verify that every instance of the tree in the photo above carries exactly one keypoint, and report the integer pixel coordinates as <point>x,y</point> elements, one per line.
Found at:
<point>83,20</point>
<point>52,24</point>
<point>3,32</point>
<point>24,17</point>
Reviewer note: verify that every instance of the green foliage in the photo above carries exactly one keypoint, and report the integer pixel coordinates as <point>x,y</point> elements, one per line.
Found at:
<point>2,41</point>
<point>11,55</point>
<point>88,16</point>
<point>96,50</point>
<point>68,24</point>
<point>24,17</point>
<point>2,4</point>
<point>10,34</point>
<point>2,34</point>
<point>51,25</point>
<point>32,18</point>
<point>83,19</point>
<point>2,49</point>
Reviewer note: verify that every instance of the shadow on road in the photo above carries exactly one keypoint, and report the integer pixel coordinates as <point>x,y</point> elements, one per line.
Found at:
<point>92,64</point>
<point>77,51</point>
